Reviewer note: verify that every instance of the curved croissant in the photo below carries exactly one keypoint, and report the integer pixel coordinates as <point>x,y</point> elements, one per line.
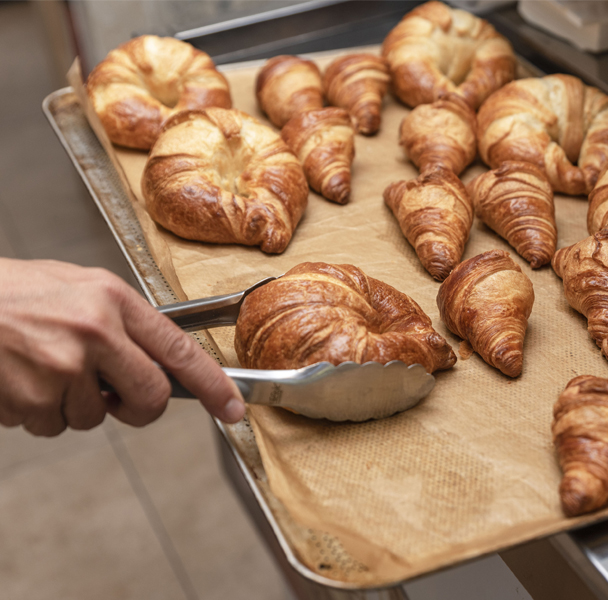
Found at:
<point>357,83</point>
<point>435,214</point>
<point>441,133</point>
<point>552,122</point>
<point>323,140</point>
<point>223,177</point>
<point>584,269</point>
<point>580,435</point>
<point>287,86</point>
<point>597,213</point>
<point>437,49</point>
<point>321,312</point>
<point>144,81</point>
<point>516,201</point>
<point>487,300</point>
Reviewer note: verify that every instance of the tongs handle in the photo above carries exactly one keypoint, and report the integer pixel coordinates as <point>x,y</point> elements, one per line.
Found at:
<point>245,379</point>
<point>205,313</point>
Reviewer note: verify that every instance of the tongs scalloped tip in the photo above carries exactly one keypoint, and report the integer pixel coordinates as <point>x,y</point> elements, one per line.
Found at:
<point>346,392</point>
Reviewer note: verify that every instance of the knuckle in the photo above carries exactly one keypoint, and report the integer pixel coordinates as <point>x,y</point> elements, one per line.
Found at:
<point>152,401</point>
<point>65,361</point>
<point>86,422</point>
<point>181,351</point>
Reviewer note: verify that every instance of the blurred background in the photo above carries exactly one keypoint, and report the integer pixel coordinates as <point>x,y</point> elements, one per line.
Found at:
<point>119,512</point>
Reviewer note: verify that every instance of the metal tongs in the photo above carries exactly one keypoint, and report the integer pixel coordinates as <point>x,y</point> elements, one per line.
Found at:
<point>347,392</point>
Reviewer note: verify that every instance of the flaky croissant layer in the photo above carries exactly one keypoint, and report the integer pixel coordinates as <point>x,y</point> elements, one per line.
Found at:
<point>144,81</point>
<point>580,436</point>
<point>584,270</point>
<point>551,121</point>
<point>487,300</point>
<point>287,86</point>
<point>321,312</point>
<point>323,141</point>
<point>440,134</point>
<point>435,49</point>
<point>221,176</point>
<point>435,214</point>
<point>357,83</point>
<point>516,201</point>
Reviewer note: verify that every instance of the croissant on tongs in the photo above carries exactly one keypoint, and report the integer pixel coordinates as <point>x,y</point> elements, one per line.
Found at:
<point>516,201</point>
<point>357,83</point>
<point>287,86</point>
<point>435,214</point>
<point>580,435</point>
<point>584,270</point>
<point>323,141</point>
<point>487,301</point>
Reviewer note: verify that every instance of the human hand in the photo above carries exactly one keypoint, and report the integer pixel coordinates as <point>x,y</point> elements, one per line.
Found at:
<point>63,326</point>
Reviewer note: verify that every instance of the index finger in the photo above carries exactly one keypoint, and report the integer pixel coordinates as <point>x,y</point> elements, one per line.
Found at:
<point>179,353</point>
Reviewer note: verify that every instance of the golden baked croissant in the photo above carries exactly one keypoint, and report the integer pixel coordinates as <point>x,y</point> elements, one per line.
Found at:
<point>287,86</point>
<point>321,312</point>
<point>487,300</point>
<point>357,83</point>
<point>435,214</point>
<point>597,213</point>
<point>323,140</point>
<point>437,49</point>
<point>584,269</point>
<point>145,81</point>
<point>441,133</point>
<point>580,435</point>
<point>516,201</point>
<point>223,177</point>
<point>552,122</point>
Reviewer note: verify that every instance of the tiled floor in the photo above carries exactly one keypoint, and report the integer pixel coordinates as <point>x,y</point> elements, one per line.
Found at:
<point>113,513</point>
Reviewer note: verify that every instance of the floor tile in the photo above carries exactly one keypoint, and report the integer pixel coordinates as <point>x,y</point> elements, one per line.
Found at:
<point>19,450</point>
<point>7,249</point>
<point>101,251</point>
<point>177,462</point>
<point>74,529</point>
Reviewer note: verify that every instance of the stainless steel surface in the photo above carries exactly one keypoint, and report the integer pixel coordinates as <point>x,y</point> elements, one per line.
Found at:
<point>347,392</point>
<point>215,311</point>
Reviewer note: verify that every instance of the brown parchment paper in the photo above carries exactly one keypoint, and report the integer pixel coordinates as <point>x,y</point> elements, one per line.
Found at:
<point>468,471</point>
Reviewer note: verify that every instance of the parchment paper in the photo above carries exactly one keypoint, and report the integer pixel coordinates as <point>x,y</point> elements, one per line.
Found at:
<point>472,468</point>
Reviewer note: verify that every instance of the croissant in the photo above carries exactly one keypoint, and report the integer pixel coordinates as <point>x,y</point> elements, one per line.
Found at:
<point>321,312</point>
<point>323,140</point>
<point>435,214</point>
<point>223,177</point>
<point>597,213</point>
<point>487,300</point>
<point>144,81</point>
<point>584,269</point>
<point>287,86</point>
<point>441,133</point>
<point>516,201</point>
<point>436,49</point>
<point>552,122</point>
<point>357,83</point>
<point>580,435</point>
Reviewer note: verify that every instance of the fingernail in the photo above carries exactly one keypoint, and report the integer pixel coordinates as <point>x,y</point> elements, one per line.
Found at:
<point>233,411</point>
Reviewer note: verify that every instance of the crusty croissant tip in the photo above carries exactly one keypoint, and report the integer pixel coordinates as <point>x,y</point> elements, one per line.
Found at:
<point>338,188</point>
<point>579,496</point>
